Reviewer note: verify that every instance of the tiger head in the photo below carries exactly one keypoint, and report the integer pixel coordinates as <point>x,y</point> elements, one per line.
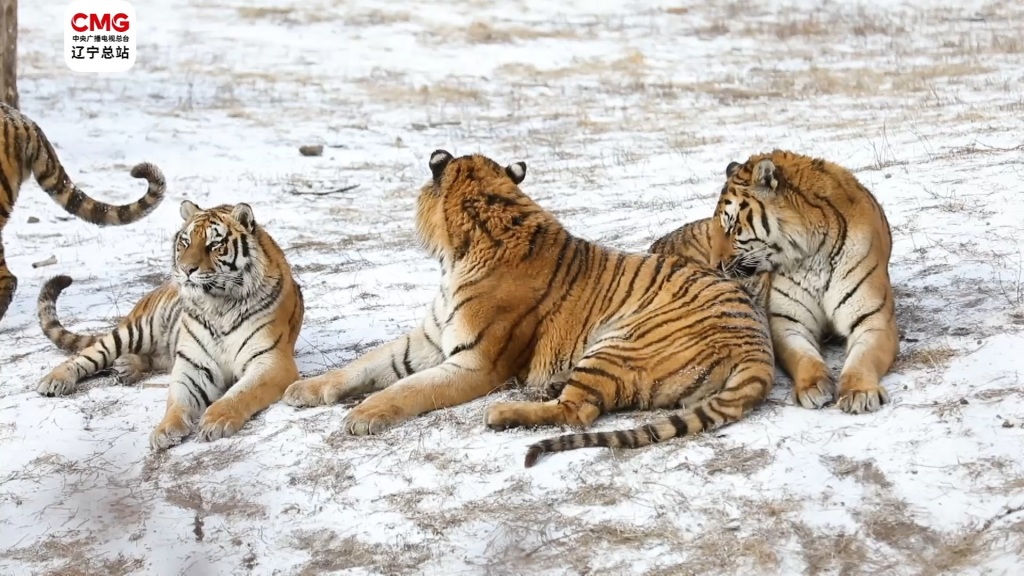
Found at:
<point>468,200</point>
<point>748,229</point>
<point>216,252</point>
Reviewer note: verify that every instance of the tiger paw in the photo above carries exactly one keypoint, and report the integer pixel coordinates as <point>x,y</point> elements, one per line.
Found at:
<point>505,415</point>
<point>373,416</point>
<point>221,420</point>
<point>316,391</point>
<point>127,371</point>
<point>172,429</point>
<point>815,394</point>
<point>858,395</point>
<point>60,381</point>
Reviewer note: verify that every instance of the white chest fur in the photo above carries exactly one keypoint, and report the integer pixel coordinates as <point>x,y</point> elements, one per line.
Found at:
<point>449,311</point>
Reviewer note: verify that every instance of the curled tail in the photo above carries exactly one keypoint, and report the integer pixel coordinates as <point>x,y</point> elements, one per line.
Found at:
<point>47,311</point>
<point>54,180</point>
<point>742,391</point>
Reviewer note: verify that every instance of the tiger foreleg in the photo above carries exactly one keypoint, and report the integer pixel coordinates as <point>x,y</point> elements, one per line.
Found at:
<point>456,381</point>
<point>797,349</point>
<point>196,382</point>
<point>134,368</point>
<point>91,361</point>
<point>262,384</point>
<point>871,349</point>
<point>375,370</point>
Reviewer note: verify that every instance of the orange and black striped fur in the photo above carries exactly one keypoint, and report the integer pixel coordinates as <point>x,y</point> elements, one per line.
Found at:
<point>827,243</point>
<point>24,151</point>
<point>693,242</point>
<point>224,325</point>
<point>521,297</point>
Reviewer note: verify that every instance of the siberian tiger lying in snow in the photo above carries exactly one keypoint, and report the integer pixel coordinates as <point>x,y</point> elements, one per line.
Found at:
<point>826,241</point>
<point>522,297</point>
<point>224,325</point>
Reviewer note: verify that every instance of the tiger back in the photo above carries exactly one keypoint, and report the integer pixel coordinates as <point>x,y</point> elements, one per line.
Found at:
<point>693,241</point>
<point>225,327</point>
<point>522,299</point>
<point>25,150</point>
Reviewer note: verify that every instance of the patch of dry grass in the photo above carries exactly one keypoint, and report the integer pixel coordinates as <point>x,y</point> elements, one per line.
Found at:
<point>631,64</point>
<point>813,26</point>
<point>841,553</point>
<point>932,357</point>
<point>219,502</point>
<point>330,552</point>
<point>891,525</point>
<point>739,460</point>
<point>290,16</point>
<point>484,33</point>
<point>214,459</point>
<point>452,90</point>
<point>864,471</point>
<point>72,554</point>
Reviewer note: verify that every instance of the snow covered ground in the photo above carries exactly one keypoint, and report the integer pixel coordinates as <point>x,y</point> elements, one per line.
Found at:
<point>627,114</point>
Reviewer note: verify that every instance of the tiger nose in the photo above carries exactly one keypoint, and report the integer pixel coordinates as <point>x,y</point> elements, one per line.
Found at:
<point>188,269</point>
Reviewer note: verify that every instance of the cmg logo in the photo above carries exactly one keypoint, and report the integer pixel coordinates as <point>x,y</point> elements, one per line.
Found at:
<point>100,35</point>
<point>82,22</point>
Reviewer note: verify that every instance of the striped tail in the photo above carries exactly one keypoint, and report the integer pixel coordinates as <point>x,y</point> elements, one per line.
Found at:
<point>54,180</point>
<point>46,309</point>
<point>684,424</point>
<point>741,393</point>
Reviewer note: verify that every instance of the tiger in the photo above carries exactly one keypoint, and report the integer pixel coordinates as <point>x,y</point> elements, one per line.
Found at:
<point>826,242</point>
<point>693,242</point>
<point>224,325</point>
<point>25,150</point>
<point>522,300</point>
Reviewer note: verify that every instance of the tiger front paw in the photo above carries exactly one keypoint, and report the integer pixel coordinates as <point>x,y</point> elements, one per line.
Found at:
<point>127,371</point>
<point>316,391</point>
<point>372,416</point>
<point>813,386</point>
<point>61,381</point>
<point>175,426</point>
<point>221,420</point>
<point>815,394</point>
<point>859,395</point>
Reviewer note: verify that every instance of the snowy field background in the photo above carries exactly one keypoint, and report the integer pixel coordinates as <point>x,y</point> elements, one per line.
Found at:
<point>627,114</point>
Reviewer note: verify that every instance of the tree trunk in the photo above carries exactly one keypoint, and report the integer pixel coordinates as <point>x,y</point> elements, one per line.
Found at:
<point>9,52</point>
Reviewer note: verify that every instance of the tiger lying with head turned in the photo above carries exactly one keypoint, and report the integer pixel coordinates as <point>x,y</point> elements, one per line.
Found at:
<point>826,242</point>
<point>522,297</point>
<point>224,325</point>
<point>25,150</point>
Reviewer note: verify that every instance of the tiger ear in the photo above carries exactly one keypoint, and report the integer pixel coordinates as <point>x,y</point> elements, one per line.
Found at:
<point>243,214</point>
<point>516,171</point>
<point>438,160</point>
<point>188,209</point>
<point>731,169</point>
<point>764,175</point>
